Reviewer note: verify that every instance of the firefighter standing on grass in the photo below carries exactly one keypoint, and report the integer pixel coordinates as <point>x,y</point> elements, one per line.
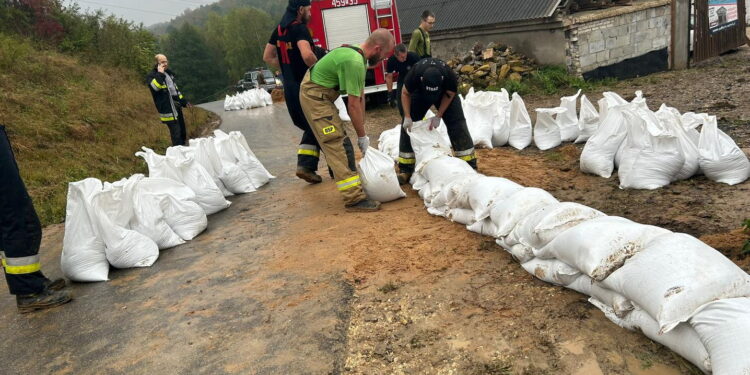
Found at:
<point>20,237</point>
<point>168,100</point>
<point>343,70</point>
<point>431,82</point>
<point>291,49</point>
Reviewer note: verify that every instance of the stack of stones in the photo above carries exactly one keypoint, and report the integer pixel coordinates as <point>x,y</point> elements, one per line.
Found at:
<point>490,66</point>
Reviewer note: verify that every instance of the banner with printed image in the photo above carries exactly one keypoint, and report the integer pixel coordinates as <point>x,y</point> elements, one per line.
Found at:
<point>722,14</point>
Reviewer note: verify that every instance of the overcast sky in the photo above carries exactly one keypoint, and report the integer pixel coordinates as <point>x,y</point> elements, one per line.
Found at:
<point>147,12</point>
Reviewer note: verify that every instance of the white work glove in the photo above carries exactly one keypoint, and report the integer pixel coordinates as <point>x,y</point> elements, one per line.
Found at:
<point>363,143</point>
<point>435,122</point>
<point>407,124</point>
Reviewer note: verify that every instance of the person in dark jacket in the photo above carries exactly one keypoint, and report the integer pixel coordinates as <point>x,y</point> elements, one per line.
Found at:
<point>168,100</point>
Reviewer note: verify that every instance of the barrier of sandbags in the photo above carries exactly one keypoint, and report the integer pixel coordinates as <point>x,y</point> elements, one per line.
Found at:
<point>253,98</point>
<point>672,287</point>
<point>126,223</point>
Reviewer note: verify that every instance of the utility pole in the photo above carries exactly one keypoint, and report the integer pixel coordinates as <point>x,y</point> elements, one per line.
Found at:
<point>679,51</point>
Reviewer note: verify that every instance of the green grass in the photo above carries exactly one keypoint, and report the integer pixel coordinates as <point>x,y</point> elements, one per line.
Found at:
<point>68,121</point>
<point>550,80</point>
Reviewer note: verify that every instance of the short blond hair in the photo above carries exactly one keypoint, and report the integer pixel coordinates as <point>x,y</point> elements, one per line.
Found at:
<point>159,55</point>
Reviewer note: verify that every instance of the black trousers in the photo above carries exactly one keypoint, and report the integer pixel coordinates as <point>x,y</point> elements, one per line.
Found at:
<point>20,230</point>
<point>461,141</point>
<point>177,130</point>
<point>398,100</point>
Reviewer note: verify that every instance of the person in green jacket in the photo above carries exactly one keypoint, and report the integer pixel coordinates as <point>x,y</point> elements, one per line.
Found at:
<point>420,38</point>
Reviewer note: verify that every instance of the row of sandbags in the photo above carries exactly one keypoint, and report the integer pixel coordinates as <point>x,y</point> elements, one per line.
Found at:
<point>126,223</point>
<point>652,149</point>
<point>672,287</point>
<point>253,98</point>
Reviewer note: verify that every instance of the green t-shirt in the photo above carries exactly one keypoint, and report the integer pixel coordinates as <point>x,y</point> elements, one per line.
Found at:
<point>420,43</point>
<point>343,68</point>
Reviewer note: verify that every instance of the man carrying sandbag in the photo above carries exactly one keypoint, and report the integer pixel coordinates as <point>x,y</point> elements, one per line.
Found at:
<point>168,100</point>
<point>20,236</point>
<point>343,70</point>
<point>431,82</point>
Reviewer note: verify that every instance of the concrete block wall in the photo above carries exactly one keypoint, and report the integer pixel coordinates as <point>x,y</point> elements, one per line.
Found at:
<point>610,40</point>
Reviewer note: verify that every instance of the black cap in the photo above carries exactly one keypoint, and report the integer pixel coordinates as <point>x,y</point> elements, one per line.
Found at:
<point>432,82</point>
<point>291,11</point>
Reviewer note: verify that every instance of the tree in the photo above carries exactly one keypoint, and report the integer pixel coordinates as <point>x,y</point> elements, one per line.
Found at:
<point>199,71</point>
<point>246,32</point>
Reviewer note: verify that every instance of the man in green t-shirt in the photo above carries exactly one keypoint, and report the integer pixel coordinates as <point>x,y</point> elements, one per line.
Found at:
<point>420,38</point>
<point>342,71</point>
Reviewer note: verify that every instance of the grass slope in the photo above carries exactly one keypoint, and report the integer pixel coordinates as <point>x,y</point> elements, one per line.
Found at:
<point>68,121</point>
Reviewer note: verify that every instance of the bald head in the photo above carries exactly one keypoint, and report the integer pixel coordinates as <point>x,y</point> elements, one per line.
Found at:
<point>378,46</point>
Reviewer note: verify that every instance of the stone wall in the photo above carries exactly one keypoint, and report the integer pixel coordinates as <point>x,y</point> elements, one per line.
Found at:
<point>604,38</point>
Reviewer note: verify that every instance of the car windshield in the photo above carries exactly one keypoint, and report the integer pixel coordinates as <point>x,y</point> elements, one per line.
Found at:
<point>268,75</point>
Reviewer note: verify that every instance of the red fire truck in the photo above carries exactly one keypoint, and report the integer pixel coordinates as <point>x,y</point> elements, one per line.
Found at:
<point>338,22</point>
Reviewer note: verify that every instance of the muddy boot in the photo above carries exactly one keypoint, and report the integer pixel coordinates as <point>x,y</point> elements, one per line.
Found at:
<point>403,178</point>
<point>365,205</point>
<point>308,175</point>
<point>56,284</point>
<point>43,300</point>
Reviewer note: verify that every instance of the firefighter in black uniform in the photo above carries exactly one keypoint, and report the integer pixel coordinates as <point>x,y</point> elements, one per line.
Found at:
<point>400,63</point>
<point>291,48</point>
<point>168,100</point>
<point>431,82</point>
<point>20,236</point>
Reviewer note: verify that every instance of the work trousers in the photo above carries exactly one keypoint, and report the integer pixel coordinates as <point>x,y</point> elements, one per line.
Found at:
<point>461,141</point>
<point>326,125</point>
<point>20,230</point>
<point>177,130</point>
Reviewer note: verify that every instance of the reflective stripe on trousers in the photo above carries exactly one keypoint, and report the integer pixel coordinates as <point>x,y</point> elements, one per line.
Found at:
<point>310,150</point>
<point>348,183</point>
<point>23,265</point>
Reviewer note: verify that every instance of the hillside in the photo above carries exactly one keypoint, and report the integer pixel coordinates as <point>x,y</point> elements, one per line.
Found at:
<point>198,17</point>
<point>69,120</point>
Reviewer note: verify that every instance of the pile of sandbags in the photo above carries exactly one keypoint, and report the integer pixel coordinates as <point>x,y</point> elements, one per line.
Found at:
<point>672,287</point>
<point>495,119</point>
<point>126,223</point>
<point>248,99</point>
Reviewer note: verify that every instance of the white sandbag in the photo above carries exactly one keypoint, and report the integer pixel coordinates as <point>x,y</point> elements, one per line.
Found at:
<point>455,194</point>
<point>379,176</point>
<point>588,121</point>
<point>443,170</point>
<point>537,229</point>
<point>83,256</point>
<point>721,160</point>
<point>227,103</point>
<point>485,227</point>
<point>547,131</point>
<point>600,246</point>
<point>388,143</point>
<point>230,174</point>
<point>724,328</point>
<point>149,220</point>
<point>266,96</point>
<point>552,271</point>
<point>690,122</point>
<point>177,201</point>
<point>598,154</point>
<point>481,112</point>
<point>461,215</point>
<point>341,106</point>
<point>652,157</point>
<point>247,156</point>
<point>672,121</point>
<point>620,305</point>
<point>501,128</point>
<point>124,248</point>
<point>520,124</point>
<point>209,196</point>
<point>199,151</point>
<point>507,213</point>
<point>683,340</point>
<point>230,153</point>
<point>603,107</point>
<point>674,275</point>
<point>568,120</point>
<point>484,192</point>
<point>428,144</point>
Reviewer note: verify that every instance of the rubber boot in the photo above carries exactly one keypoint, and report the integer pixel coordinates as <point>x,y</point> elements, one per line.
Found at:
<point>308,175</point>
<point>46,299</point>
<point>365,205</point>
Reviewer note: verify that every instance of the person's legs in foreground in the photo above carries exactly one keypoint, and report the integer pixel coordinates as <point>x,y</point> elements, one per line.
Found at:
<point>308,152</point>
<point>458,131</point>
<point>20,236</point>
<point>183,129</point>
<point>175,134</point>
<point>406,157</point>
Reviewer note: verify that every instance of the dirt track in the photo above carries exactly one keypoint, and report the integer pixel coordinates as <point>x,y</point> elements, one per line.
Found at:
<point>285,282</point>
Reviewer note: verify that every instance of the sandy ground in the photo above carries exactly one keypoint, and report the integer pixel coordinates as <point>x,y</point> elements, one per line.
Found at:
<point>286,282</point>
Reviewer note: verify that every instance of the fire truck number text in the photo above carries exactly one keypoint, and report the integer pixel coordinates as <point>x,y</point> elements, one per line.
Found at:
<point>343,3</point>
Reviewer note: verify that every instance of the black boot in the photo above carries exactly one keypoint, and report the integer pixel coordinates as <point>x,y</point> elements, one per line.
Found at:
<point>43,300</point>
<point>308,175</point>
<point>365,205</point>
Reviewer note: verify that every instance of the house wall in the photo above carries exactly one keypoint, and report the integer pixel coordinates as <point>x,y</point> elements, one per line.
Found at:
<point>605,38</point>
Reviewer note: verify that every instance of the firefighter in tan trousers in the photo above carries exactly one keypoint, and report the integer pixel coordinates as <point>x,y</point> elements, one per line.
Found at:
<point>343,71</point>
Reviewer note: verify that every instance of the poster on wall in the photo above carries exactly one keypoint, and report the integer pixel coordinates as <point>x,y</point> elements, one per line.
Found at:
<point>722,14</point>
